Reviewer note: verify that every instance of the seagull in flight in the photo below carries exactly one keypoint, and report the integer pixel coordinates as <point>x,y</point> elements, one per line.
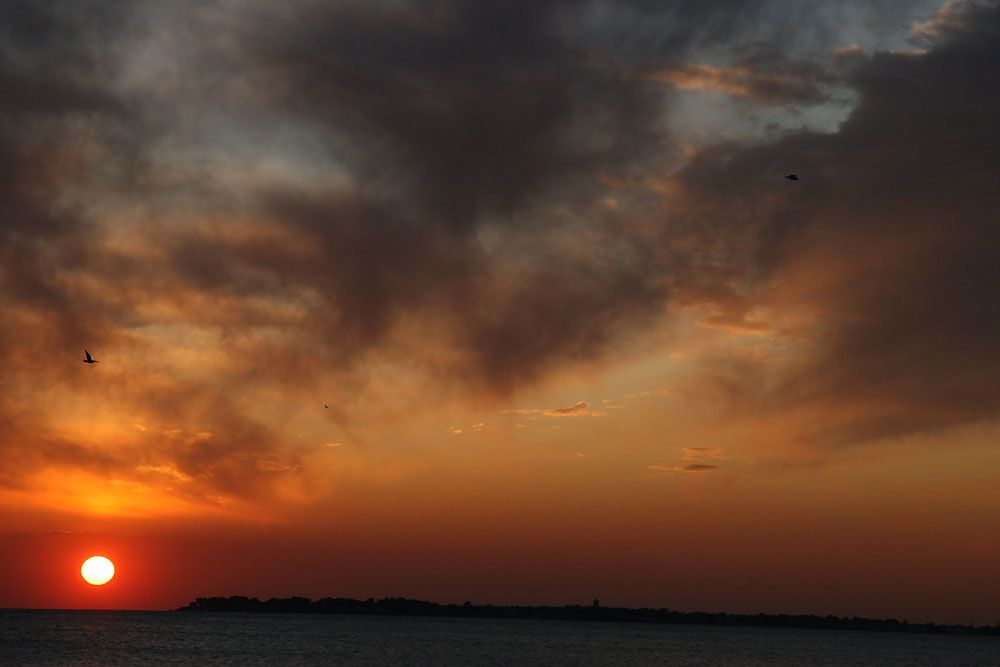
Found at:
<point>89,359</point>
<point>792,177</point>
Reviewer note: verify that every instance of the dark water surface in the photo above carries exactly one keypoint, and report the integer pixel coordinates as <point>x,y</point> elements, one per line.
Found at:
<point>173,638</point>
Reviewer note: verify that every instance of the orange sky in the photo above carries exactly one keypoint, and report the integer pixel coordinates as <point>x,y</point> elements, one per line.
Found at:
<point>422,316</point>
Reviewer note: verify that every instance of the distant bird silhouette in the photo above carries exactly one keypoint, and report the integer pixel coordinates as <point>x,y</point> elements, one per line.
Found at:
<point>327,407</point>
<point>792,177</point>
<point>89,359</point>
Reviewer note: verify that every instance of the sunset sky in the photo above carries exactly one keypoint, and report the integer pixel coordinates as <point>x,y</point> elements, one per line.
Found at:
<point>577,334</point>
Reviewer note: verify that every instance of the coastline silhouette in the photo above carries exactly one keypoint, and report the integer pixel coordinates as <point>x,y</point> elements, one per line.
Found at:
<point>393,606</point>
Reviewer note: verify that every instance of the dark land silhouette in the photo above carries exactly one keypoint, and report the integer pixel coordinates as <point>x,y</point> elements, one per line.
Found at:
<point>591,612</point>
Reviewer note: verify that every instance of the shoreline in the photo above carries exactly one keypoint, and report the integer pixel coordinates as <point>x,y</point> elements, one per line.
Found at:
<point>593,612</point>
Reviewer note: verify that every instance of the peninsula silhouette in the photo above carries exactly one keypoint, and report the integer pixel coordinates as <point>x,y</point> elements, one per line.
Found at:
<point>394,606</point>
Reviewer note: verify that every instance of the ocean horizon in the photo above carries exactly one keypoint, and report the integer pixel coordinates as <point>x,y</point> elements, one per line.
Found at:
<point>32,637</point>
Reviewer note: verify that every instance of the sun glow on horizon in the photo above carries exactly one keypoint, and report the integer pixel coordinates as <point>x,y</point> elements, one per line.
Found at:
<point>97,570</point>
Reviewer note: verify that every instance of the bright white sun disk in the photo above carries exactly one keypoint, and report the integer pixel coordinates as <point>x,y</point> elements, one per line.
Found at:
<point>97,570</point>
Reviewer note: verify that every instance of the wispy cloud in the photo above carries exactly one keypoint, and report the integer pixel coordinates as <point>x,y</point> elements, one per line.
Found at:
<point>686,468</point>
<point>702,453</point>
<point>578,409</point>
<point>168,471</point>
<point>769,82</point>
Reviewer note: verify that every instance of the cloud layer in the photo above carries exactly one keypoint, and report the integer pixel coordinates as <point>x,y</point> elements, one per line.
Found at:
<point>887,249</point>
<point>227,206</point>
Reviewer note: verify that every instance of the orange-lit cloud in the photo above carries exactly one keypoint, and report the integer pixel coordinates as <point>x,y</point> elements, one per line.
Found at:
<point>701,453</point>
<point>742,81</point>
<point>687,467</point>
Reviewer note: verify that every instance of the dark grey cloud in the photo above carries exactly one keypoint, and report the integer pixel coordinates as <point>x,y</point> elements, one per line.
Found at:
<point>471,109</point>
<point>894,234</point>
<point>509,119</point>
<point>57,120</point>
<point>449,121</point>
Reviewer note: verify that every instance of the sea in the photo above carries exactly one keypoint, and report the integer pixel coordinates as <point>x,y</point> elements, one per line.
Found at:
<point>32,637</point>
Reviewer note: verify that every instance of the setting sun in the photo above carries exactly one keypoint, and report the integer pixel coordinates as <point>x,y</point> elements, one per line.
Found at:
<point>97,570</point>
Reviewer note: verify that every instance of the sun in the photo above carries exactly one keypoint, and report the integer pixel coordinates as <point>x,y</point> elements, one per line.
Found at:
<point>97,570</point>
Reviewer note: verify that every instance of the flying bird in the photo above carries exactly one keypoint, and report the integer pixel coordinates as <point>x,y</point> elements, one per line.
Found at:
<point>327,407</point>
<point>792,177</point>
<point>89,359</point>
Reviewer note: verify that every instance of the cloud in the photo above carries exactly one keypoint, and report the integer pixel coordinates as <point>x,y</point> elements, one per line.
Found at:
<point>766,83</point>
<point>953,18</point>
<point>578,409</point>
<point>698,467</point>
<point>465,171</point>
<point>686,468</point>
<point>453,156</point>
<point>243,205</point>
<point>695,461</point>
<point>887,253</point>
<point>168,471</point>
<point>701,453</point>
